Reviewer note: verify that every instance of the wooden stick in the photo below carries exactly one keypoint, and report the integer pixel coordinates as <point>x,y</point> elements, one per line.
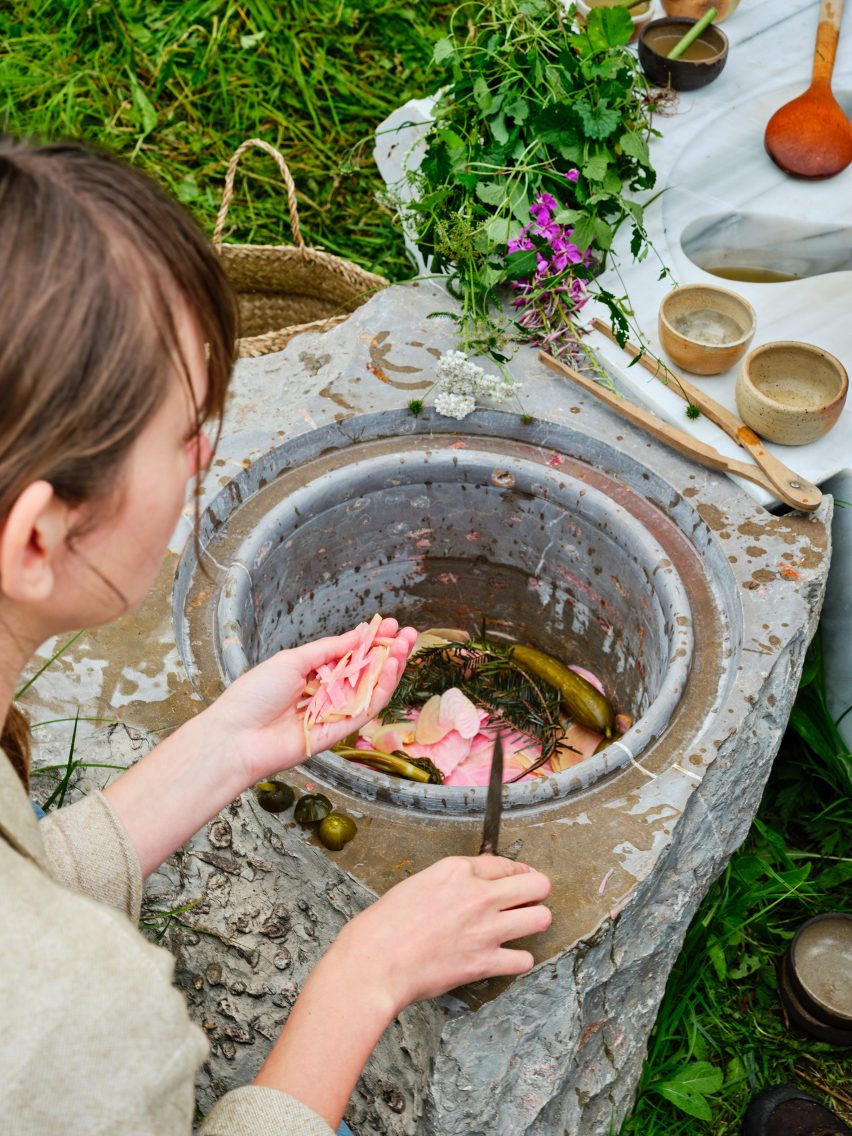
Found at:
<point>789,487</point>
<point>678,439</point>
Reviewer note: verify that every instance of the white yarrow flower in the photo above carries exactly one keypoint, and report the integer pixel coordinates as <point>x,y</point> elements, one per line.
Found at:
<point>454,405</point>
<point>460,382</point>
<point>455,372</point>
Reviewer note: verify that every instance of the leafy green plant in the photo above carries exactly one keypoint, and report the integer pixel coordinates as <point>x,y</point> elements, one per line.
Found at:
<point>539,143</point>
<point>721,1005</point>
<point>58,653</point>
<point>156,924</point>
<point>813,723</point>
<point>689,1087</point>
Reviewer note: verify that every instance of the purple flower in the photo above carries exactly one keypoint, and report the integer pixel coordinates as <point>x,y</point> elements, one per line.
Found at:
<point>548,229</point>
<point>573,175</point>
<point>543,208</point>
<point>566,250</point>
<point>521,241</point>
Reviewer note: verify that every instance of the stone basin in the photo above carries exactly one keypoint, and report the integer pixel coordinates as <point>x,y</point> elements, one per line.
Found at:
<point>471,526</point>
<point>632,842</point>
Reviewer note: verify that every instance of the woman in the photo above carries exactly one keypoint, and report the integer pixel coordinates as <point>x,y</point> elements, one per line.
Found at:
<point>116,342</point>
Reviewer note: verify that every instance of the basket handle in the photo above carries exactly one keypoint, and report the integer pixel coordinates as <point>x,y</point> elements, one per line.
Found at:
<point>229,192</point>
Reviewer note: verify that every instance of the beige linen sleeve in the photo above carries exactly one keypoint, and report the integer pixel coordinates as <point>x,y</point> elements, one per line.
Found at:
<point>89,851</point>
<point>256,1110</point>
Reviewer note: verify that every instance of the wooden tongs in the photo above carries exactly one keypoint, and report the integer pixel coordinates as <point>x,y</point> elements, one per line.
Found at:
<point>768,472</point>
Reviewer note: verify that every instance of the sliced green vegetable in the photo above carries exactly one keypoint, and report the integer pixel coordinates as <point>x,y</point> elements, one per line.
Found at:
<point>274,796</point>
<point>395,764</point>
<point>311,808</point>
<point>336,830</point>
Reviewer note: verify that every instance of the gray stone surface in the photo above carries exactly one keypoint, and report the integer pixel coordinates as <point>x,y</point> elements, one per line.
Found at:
<point>560,1049</point>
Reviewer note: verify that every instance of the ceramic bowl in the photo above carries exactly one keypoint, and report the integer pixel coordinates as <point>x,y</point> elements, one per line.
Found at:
<point>705,329</point>
<point>695,9</point>
<point>791,393</point>
<point>814,978</point>
<point>701,64</point>
<point>640,15</point>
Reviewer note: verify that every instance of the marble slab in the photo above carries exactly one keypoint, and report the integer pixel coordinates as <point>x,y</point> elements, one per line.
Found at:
<point>711,164</point>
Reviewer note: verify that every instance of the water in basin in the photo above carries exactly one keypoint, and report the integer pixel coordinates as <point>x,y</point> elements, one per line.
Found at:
<point>750,275</point>
<point>766,249</point>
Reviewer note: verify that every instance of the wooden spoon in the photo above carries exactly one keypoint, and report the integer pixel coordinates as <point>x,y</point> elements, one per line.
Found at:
<point>678,439</point>
<point>811,137</point>
<point>789,487</point>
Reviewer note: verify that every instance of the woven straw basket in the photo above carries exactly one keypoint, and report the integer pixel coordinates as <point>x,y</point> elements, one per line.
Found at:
<point>283,290</point>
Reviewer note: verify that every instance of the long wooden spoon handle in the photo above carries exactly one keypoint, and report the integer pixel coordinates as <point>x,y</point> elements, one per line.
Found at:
<point>828,33</point>
<point>790,487</point>
<point>678,439</point>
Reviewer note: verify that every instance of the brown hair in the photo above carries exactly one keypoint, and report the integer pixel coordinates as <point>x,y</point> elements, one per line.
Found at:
<point>95,257</point>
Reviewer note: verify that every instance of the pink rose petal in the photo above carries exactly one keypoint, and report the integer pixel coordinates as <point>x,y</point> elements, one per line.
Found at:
<point>344,689</point>
<point>430,727</point>
<point>589,677</point>
<point>447,754</point>
<point>457,711</point>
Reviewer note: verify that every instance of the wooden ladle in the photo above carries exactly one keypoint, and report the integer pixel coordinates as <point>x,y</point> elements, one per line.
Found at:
<point>811,137</point>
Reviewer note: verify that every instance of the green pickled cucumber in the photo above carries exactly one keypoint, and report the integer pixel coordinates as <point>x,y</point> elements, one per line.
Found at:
<point>586,705</point>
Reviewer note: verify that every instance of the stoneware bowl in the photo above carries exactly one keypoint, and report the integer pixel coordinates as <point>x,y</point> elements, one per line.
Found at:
<point>700,65</point>
<point>695,9</point>
<point>705,329</point>
<point>791,393</point>
<point>640,15</point>
<point>815,986</point>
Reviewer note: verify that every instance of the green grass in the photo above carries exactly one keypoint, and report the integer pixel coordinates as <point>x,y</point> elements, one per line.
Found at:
<point>176,86</point>
<point>721,1012</point>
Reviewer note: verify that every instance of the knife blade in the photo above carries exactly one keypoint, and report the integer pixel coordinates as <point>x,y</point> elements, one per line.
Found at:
<point>494,801</point>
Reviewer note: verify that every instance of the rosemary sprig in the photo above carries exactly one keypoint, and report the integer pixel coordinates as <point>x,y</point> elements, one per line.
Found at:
<point>485,672</point>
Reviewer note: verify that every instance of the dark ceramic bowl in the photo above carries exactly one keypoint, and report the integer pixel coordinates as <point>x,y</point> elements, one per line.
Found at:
<point>816,978</point>
<point>821,967</point>
<point>689,72</point>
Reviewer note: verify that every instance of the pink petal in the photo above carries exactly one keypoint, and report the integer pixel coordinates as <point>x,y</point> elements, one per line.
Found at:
<point>457,711</point>
<point>476,769</point>
<point>447,753</point>
<point>580,739</point>
<point>430,727</point>
<point>345,688</point>
<point>387,738</point>
<point>589,677</point>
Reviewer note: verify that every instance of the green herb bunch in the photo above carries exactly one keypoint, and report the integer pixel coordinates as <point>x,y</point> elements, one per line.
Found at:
<point>485,672</point>
<point>540,115</point>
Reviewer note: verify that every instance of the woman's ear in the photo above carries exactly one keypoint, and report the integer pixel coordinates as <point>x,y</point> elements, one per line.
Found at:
<point>35,529</point>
